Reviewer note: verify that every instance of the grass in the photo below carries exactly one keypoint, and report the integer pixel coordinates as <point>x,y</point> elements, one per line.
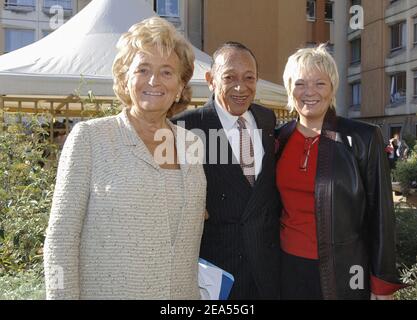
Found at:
<point>25,286</point>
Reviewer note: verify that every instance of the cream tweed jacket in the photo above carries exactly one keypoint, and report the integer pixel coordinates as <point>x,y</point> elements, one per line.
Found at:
<point>108,235</point>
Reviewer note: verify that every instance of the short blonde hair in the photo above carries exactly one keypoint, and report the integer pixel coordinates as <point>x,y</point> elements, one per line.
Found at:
<point>147,34</point>
<point>309,58</point>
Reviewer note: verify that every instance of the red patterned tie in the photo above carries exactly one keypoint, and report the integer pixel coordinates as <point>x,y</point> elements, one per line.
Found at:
<point>247,160</point>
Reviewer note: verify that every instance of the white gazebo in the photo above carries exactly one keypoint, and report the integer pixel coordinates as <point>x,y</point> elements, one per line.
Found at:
<point>49,71</point>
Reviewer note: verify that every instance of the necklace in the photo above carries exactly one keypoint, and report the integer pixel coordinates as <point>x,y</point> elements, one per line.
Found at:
<point>308,143</point>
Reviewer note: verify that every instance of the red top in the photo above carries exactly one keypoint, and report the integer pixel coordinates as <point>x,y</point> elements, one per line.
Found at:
<point>296,185</point>
<point>298,220</point>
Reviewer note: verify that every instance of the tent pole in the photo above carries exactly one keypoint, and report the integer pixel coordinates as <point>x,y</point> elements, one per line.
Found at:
<point>19,111</point>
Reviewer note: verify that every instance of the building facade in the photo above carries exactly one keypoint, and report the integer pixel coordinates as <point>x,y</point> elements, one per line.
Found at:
<point>272,29</point>
<point>380,64</point>
<point>25,21</point>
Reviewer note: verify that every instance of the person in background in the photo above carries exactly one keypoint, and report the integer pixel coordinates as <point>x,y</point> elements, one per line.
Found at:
<point>126,223</point>
<point>337,222</point>
<point>402,147</point>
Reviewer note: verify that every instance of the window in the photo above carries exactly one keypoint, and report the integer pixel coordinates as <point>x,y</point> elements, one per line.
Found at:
<point>355,51</point>
<point>25,5</point>
<point>65,4</point>
<point>398,36</point>
<point>168,8</point>
<point>356,94</point>
<point>415,30</point>
<point>415,83</point>
<point>311,9</point>
<point>18,38</point>
<point>328,13</point>
<point>398,88</point>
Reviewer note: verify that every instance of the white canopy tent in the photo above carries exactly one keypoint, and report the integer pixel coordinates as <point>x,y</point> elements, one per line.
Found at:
<point>83,49</point>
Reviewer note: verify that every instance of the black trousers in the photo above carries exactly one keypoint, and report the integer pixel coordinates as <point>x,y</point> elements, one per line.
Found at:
<point>300,278</point>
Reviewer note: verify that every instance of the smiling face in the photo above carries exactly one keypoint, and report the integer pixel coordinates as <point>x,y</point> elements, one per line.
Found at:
<point>234,80</point>
<point>154,81</point>
<point>312,92</point>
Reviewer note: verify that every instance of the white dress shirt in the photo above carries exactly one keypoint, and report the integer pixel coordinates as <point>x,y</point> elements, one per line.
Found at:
<point>229,124</point>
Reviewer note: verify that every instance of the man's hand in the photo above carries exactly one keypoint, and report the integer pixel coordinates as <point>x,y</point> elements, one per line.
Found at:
<point>379,297</point>
<point>206,215</point>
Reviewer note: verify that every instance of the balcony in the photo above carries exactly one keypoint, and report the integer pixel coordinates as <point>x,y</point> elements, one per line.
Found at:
<point>20,6</point>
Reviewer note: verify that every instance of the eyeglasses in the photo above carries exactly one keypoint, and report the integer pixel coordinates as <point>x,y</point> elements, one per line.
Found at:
<point>306,153</point>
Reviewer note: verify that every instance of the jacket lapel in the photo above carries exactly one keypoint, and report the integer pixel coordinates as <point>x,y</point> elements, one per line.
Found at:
<point>139,149</point>
<point>266,143</point>
<point>267,164</point>
<point>231,170</point>
<point>284,133</point>
<point>132,140</point>
<point>323,205</point>
<point>184,153</point>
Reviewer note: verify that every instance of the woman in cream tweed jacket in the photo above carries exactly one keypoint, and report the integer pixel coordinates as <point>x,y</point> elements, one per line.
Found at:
<point>123,224</point>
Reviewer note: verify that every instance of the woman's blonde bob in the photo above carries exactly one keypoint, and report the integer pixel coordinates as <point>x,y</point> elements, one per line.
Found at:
<point>153,32</point>
<point>306,59</point>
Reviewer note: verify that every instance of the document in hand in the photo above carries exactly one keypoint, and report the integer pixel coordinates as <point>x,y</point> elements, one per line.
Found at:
<point>214,282</point>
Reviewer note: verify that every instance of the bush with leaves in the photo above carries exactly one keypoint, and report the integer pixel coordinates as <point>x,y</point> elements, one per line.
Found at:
<point>28,164</point>
<point>410,140</point>
<point>406,235</point>
<point>409,277</point>
<point>405,172</point>
<point>27,178</point>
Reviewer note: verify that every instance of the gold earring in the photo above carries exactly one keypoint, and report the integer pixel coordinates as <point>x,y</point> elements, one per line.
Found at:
<point>178,98</point>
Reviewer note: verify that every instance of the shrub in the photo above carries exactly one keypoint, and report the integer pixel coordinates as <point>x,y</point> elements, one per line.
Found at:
<point>405,172</point>
<point>28,164</point>
<point>410,140</point>
<point>406,232</point>
<point>27,177</point>
<point>408,276</point>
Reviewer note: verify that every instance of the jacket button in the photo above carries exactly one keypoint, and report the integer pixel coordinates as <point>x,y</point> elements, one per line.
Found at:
<point>240,256</point>
<point>223,196</point>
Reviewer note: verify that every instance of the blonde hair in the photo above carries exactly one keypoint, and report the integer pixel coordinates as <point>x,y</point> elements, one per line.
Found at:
<point>309,58</point>
<point>141,37</point>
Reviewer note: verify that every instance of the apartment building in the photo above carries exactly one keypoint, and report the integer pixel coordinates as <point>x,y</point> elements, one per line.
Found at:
<point>272,29</point>
<point>380,64</point>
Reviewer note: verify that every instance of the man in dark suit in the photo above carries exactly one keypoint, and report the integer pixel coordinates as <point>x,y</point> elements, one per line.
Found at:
<point>241,233</point>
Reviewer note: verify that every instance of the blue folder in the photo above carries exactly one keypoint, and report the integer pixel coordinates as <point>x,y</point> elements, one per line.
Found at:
<point>214,282</point>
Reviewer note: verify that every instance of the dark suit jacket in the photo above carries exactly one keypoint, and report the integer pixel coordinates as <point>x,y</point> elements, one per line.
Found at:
<point>242,233</point>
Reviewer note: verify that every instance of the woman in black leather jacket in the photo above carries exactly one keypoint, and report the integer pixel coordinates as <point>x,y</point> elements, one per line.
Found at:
<point>337,221</point>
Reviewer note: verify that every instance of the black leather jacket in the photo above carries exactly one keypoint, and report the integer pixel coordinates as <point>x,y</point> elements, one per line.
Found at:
<point>354,206</point>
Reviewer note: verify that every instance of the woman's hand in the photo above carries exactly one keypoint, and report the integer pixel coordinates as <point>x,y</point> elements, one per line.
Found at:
<point>379,297</point>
